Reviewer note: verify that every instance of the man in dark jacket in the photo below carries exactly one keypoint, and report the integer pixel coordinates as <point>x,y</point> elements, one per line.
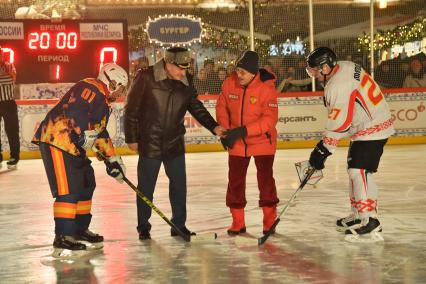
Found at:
<point>154,126</point>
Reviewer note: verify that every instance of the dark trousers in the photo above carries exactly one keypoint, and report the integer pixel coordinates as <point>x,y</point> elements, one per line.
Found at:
<point>9,113</point>
<point>147,178</point>
<point>236,193</point>
<point>72,183</point>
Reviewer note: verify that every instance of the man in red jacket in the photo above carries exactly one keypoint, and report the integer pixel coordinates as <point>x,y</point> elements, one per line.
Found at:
<point>247,107</point>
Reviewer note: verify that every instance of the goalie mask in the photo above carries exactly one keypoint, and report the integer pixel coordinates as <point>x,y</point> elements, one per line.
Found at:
<point>116,78</point>
<point>317,59</point>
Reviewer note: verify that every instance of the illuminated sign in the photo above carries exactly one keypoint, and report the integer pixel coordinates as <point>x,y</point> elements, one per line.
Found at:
<point>174,30</point>
<point>288,48</point>
<point>45,51</point>
<point>409,48</point>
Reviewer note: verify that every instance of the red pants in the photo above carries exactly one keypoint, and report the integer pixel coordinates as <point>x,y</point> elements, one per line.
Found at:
<point>236,194</point>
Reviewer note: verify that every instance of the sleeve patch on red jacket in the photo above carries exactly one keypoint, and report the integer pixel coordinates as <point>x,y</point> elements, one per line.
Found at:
<point>233,97</point>
<point>272,104</point>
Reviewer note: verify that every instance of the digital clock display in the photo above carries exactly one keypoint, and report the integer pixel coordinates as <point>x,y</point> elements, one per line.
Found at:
<point>45,51</point>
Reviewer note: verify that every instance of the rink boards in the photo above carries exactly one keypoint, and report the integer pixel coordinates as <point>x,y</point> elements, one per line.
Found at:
<point>301,120</point>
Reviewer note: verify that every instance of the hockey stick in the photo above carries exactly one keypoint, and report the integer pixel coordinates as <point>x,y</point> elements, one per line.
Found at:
<point>148,202</point>
<point>263,239</point>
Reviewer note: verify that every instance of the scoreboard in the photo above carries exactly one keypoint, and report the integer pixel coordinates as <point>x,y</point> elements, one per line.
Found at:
<point>45,51</point>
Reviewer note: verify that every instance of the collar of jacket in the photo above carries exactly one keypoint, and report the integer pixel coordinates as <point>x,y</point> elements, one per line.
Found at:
<point>262,77</point>
<point>161,74</point>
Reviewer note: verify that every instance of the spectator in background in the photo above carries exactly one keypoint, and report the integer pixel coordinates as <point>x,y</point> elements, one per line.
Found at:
<point>229,69</point>
<point>143,62</point>
<point>221,74</point>
<point>384,76</point>
<point>9,110</point>
<point>300,72</point>
<point>209,67</point>
<point>201,83</point>
<point>401,72</point>
<point>416,77</point>
<point>211,75</point>
<point>217,85</point>
<point>291,84</point>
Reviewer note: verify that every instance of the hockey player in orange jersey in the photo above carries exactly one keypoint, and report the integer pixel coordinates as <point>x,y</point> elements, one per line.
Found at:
<point>77,123</point>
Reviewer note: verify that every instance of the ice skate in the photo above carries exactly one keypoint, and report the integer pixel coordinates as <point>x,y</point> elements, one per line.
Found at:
<point>350,222</point>
<point>12,164</point>
<point>370,231</point>
<point>67,247</point>
<point>90,239</point>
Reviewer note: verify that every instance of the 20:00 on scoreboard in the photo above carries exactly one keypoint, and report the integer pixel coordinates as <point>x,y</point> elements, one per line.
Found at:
<point>67,51</point>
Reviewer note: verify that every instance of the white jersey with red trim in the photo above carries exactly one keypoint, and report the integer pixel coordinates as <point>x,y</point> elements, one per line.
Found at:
<point>356,107</point>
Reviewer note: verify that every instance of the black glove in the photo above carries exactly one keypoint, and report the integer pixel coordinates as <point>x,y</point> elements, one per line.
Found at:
<point>318,156</point>
<point>233,135</point>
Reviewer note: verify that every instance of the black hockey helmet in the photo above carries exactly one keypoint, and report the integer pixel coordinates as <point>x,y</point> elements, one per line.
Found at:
<point>320,56</point>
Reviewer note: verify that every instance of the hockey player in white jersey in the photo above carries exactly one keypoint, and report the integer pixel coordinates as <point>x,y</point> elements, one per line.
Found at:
<point>357,110</point>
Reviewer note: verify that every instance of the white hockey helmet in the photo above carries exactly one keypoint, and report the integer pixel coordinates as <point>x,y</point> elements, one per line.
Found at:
<point>113,76</point>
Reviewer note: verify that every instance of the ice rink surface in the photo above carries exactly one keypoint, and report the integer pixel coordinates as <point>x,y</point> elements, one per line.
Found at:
<point>306,248</point>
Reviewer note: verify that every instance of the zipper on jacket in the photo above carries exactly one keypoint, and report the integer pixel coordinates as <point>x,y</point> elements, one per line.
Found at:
<point>242,121</point>
<point>165,129</point>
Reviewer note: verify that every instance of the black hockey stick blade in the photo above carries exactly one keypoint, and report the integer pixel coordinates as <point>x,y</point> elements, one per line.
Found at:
<point>262,239</point>
<point>187,238</point>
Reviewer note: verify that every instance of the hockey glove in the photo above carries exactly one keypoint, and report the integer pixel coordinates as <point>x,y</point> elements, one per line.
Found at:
<point>115,168</point>
<point>232,135</point>
<point>87,139</point>
<point>318,156</point>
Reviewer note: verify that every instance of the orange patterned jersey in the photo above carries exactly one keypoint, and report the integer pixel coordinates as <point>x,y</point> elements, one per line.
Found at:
<point>83,107</point>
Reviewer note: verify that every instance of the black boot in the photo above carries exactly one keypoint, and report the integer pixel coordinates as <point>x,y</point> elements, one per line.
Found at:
<point>12,164</point>
<point>144,235</point>
<point>67,242</point>
<point>184,230</point>
<point>89,236</point>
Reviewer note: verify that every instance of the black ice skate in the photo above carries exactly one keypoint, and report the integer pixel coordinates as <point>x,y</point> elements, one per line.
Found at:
<point>370,230</point>
<point>90,239</point>
<point>350,222</point>
<point>67,247</point>
<point>12,164</point>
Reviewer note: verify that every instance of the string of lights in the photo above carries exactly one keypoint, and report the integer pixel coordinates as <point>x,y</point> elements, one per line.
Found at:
<point>413,31</point>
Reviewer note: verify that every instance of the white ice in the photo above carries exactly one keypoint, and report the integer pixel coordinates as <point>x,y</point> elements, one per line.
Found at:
<point>306,249</point>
